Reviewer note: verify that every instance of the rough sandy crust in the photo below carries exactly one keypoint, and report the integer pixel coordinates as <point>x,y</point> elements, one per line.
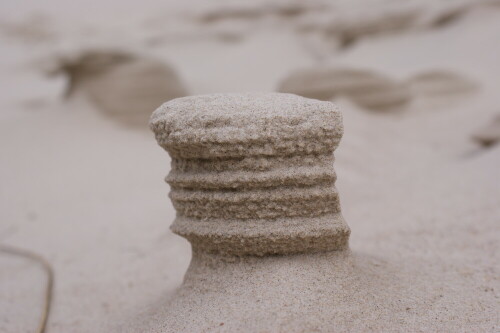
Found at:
<point>276,208</point>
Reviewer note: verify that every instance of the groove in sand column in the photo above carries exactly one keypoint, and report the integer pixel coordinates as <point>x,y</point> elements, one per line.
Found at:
<point>252,174</point>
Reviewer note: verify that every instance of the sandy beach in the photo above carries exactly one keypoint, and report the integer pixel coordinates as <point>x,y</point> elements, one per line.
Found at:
<point>84,188</point>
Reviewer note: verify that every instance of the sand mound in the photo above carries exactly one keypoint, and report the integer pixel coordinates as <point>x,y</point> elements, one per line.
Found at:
<point>123,86</point>
<point>489,134</point>
<point>366,88</point>
<point>329,292</point>
<point>441,83</point>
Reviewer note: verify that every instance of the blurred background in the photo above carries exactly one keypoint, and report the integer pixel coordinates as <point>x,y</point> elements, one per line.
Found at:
<point>81,176</point>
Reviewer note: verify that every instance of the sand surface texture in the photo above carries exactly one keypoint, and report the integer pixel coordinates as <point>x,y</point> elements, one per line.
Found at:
<point>272,255</point>
<point>418,186</point>
<point>252,174</point>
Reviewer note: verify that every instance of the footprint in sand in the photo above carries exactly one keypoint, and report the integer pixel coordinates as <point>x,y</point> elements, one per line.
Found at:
<point>123,86</point>
<point>366,88</point>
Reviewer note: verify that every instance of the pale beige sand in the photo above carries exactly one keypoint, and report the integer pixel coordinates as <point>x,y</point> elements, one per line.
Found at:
<point>421,198</point>
<point>441,83</point>
<point>292,270</point>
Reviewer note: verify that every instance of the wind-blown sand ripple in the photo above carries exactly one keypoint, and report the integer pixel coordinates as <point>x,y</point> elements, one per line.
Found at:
<point>443,83</point>
<point>366,88</point>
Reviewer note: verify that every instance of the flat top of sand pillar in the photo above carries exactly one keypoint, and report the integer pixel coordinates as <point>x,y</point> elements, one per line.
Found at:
<point>252,174</point>
<point>183,125</point>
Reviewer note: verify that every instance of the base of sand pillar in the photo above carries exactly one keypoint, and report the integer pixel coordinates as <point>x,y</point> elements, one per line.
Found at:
<point>324,292</point>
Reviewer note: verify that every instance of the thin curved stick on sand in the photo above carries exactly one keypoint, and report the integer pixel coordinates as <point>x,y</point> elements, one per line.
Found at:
<point>50,280</point>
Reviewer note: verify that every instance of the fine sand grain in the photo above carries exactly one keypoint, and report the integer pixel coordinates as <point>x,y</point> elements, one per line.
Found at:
<point>421,198</point>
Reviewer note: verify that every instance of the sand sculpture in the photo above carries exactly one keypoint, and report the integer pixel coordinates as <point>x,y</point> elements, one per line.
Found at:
<point>253,174</point>
<point>252,181</point>
<point>253,184</point>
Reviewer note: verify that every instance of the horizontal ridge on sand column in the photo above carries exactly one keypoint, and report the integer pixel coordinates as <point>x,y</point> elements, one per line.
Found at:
<point>257,203</point>
<point>258,237</point>
<point>298,176</point>
<point>302,146</point>
<point>255,163</point>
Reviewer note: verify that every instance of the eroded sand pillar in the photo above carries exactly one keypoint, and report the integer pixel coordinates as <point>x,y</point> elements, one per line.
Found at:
<point>253,184</point>
<point>252,174</point>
